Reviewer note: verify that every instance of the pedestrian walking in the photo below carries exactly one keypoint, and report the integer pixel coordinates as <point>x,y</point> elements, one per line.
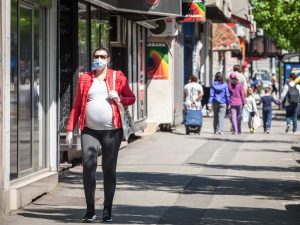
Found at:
<point>290,95</point>
<point>267,100</point>
<point>193,93</point>
<point>100,124</point>
<point>274,88</point>
<point>219,99</point>
<point>237,100</point>
<point>237,69</point>
<point>251,108</point>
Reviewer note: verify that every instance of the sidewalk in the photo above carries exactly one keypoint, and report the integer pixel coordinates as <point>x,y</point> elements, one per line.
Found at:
<point>173,178</point>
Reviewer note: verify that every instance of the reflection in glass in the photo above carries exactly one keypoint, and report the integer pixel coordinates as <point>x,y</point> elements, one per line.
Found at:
<point>82,38</point>
<point>95,28</point>
<point>99,29</point>
<point>14,92</point>
<point>25,85</point>
<point>27,150</point>
<point>37,95</point>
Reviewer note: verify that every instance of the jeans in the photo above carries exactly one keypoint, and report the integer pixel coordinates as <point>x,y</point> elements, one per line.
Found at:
<point>219,115</point>
<point>110,141</point>
<point>291,114</point>
<point>236,118</point>
<point>267,119</point>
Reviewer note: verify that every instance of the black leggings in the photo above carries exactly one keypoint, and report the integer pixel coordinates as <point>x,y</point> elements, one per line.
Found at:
<point>110,141</point>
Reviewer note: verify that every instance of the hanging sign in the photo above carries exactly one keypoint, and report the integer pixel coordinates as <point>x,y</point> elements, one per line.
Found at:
<point>193,11</point>
<point>157,61</point>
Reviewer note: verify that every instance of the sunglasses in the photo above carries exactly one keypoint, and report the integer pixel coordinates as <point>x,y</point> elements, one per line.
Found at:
<point>101,56</point>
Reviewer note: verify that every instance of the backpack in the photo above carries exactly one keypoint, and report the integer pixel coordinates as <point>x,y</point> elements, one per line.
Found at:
<point>293,94</point>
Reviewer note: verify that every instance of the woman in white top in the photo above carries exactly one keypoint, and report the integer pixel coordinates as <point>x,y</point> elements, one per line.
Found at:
<point>251,107</point>
<point>193,93</point>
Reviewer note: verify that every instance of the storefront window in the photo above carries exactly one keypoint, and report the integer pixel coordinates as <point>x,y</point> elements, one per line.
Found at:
<point>83,62</point>
<point>141,106</point>
<point>99,28</point>
<point>27,63</point>
<point>14,91</point>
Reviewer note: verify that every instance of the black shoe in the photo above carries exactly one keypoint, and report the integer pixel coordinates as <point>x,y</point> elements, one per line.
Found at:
<point>287,128</point>
<point>89,217</point>
<point>106,217</point>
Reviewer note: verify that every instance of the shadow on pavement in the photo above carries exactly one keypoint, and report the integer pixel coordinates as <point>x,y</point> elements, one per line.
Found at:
<point>267,150</point>
<point>241,139</point>
<point>248,168</point>
<point>125,214</point>
<point>185,185</point>
<point>296,148</point>
<point>219,184</point>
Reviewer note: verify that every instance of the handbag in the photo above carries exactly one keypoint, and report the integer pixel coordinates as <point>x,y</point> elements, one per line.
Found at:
<point>127,121</point>
<point>256,122</point>
<point>245,115</point>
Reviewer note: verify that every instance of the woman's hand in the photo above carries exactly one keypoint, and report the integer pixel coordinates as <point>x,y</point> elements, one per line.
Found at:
<point>114,96</point>
<point>69,138</point>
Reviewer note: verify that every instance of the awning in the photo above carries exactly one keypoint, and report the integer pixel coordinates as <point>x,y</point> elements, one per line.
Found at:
<point>218,11</point>
<point>224,38</point>
<point>142,9</point>
<point>240,12</point>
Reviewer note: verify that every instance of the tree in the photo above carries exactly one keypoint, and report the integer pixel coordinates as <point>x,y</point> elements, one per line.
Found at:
<point>280,20</point>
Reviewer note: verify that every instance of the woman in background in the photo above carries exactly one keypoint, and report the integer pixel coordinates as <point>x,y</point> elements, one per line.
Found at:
<point>219,99</point>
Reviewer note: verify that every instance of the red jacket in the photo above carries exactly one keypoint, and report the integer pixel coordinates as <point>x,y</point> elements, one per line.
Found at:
<point>84,84</point>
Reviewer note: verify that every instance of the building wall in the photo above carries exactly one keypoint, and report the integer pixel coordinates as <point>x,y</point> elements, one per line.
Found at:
<point>178,68</point>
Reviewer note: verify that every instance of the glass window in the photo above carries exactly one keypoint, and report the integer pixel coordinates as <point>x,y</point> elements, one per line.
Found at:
<point>82,38</point>
<point>99,28</point>
<point>14,91</point>
<point>95,28</point>
<point>27,98</point>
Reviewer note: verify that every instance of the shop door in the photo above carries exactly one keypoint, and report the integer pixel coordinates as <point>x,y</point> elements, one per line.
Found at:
<point>27,154</point>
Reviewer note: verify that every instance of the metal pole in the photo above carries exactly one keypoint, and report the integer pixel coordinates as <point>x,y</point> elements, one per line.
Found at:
<point>280,79</point>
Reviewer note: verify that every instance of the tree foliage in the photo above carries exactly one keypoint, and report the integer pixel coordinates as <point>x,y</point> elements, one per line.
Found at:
<point>280,20</point>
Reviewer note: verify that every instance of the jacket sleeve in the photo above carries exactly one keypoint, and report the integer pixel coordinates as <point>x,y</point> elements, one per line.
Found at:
<point>76,109</point>
<point>276,101</point>
<point>127,97</point>
<point>284,92</point>
<point>242,93</point>
<point>227,95</point>
<point>211,94</point>
<point>254,105</point>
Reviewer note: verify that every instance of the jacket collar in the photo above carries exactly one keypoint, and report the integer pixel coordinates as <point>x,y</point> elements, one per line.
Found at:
<point>109,73</point>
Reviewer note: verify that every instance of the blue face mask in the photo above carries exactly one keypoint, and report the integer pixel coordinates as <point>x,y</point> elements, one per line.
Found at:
<point>98,64</point>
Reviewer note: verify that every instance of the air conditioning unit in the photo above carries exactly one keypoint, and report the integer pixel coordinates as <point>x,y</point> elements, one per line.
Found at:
<point>164,27</point>
<point>118,30</point>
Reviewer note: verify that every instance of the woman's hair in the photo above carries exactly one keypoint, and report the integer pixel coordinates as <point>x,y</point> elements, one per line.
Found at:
<point>237,68</point>
<point>292,76</point>
<point>249,91</point>
<point>219,77</point>
<point>101,49</point>
<point>194,78</point>
<point>267,89</point>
